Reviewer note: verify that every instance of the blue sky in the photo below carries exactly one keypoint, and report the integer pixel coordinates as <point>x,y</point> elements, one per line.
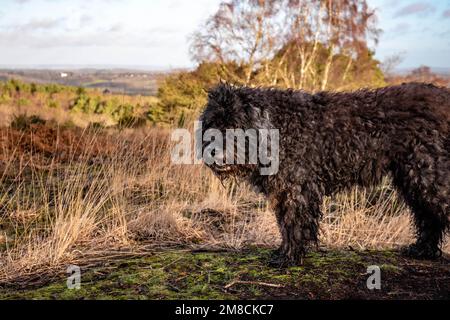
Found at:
<point>155,32</point>
<point>419,30</point>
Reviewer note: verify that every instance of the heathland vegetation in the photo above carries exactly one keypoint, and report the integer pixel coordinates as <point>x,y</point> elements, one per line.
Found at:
<point>86,176</point>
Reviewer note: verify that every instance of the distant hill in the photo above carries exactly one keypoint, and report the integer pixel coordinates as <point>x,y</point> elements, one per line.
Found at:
<point>123,81</point>
<point>442,71</point>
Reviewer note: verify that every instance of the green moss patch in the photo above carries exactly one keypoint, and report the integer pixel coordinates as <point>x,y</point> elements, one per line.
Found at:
<point>181,274</point>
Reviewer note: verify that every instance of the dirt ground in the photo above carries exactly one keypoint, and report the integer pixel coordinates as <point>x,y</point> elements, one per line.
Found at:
<point>187,274</point>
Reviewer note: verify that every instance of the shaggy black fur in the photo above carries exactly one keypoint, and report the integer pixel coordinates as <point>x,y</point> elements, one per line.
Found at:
<point>332,141</point>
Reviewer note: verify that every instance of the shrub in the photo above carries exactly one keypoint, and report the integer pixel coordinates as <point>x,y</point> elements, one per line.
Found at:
<point>22,102</point>
<point>68,124</point>
<point>81,103</point>
<point>94,105</point>
<point>52,88</point>
<point>5,97</point>
<point>185,92</point>
<point>52,104</point>
<point>24,122</point>
<point>123,111</point>
<point>33,89</point>
<point>14,87</point>
<point>81,91</point>
<point>95,126</point>
<point>132,122</point>
<point>155,113</point>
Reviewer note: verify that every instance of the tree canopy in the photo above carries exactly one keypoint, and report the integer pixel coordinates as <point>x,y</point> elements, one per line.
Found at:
<point>312,45</point>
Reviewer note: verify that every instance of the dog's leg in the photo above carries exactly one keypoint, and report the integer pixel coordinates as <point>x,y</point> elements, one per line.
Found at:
<point>298,220</point>
<point>424,182</point>
<point>430,232</point>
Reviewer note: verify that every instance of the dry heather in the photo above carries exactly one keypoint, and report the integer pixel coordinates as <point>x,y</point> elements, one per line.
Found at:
<point>70,195</point>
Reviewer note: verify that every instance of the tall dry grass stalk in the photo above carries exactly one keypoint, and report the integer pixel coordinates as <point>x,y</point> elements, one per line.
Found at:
<point>132,195</point>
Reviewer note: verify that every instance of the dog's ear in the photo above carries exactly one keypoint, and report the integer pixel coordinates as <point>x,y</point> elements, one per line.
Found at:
<point>224,96</point>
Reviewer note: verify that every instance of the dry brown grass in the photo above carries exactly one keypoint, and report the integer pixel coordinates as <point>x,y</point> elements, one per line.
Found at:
<point>120,190</point>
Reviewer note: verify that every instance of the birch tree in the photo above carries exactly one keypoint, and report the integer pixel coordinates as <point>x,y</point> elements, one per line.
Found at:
<point>289,43</point>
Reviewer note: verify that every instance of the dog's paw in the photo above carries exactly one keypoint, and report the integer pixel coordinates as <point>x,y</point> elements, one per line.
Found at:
<point>421,252</point>
<point>281,261</point>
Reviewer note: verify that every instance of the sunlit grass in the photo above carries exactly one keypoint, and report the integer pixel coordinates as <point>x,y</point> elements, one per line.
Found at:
<point>120,190</point>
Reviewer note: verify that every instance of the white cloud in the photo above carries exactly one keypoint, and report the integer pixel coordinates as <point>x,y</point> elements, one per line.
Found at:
<point>422,8</point>
<point>86,19</point>
<point>38,24</point>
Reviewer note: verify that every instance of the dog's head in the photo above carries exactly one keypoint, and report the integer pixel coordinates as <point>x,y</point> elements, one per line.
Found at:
<point>231,113</point>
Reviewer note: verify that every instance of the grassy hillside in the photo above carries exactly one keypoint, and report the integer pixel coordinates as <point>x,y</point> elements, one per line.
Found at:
<point>74,106</point>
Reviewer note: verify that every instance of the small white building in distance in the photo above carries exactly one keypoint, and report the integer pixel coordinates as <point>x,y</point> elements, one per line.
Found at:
<point>64,75</point>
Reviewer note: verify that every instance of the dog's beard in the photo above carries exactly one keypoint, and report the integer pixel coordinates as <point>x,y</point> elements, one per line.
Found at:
<point>223,172</point>
<point>234,172</point>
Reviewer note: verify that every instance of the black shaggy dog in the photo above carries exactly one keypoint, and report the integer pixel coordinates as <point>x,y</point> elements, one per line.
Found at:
<point>332,141</point>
